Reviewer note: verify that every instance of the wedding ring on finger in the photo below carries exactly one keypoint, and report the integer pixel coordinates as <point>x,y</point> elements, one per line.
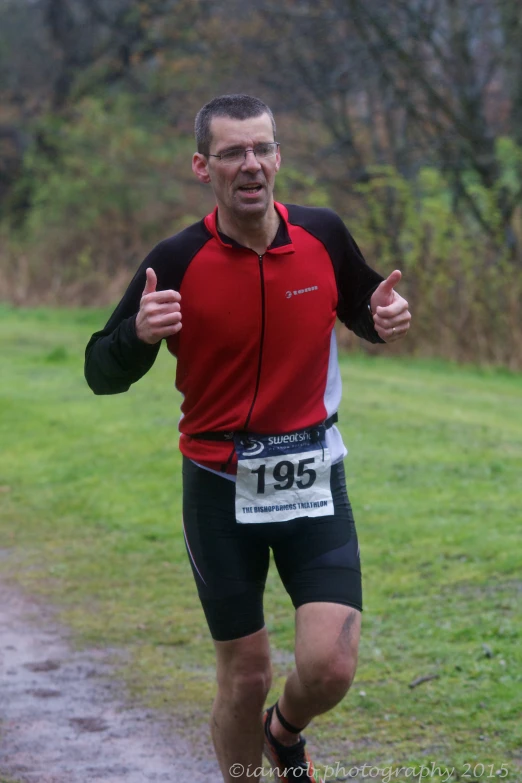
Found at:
<point>393,331</point>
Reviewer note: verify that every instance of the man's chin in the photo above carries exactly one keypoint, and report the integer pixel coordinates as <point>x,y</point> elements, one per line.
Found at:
<point>252,209</point>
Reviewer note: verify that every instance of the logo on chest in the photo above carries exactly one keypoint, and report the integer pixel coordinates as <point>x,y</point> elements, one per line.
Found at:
<point>299,291</point>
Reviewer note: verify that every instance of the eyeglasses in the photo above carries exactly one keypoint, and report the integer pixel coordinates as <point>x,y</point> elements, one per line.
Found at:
<point>262,151</point>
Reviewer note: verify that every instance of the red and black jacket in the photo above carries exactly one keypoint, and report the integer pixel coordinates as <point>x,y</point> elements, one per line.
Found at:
<point>254,353</point>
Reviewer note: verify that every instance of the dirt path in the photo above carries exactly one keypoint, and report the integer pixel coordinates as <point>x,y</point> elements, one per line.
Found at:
<point>63,719</point>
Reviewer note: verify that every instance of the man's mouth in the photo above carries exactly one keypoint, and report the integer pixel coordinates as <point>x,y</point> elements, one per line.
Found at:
<point>253,188</point>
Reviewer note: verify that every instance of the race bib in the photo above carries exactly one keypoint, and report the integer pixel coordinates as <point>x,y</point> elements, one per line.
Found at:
<point>281,477</point>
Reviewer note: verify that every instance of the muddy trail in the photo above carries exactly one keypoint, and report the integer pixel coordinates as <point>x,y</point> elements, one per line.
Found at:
<point>63,716</point>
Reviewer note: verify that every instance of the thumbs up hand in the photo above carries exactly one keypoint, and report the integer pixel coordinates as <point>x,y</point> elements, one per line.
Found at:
<point>391,316</point>
<point>159,315</point>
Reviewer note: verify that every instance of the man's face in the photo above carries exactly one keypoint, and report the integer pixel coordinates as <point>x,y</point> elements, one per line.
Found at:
<point>243,189</point>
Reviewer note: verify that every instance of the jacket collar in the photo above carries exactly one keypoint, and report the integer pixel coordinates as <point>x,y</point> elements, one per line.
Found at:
<point>282,241</point>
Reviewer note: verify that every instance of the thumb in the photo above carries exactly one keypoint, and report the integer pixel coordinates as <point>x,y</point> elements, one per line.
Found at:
<point>151,283</point>
<point>391,281</point>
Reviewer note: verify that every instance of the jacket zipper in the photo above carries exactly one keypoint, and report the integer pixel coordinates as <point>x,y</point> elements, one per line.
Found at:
<point>260,360</point>
<point>261,341</point>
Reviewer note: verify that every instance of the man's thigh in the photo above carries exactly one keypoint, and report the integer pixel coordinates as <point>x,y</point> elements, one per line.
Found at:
<point>229,563</point>
<point>318,558</point>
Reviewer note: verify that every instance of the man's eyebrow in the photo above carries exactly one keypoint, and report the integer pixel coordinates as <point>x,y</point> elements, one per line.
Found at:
<point>240,147</point>
<point>232,147</point>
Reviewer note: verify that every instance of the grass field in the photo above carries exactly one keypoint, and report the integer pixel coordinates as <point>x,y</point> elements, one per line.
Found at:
<point>90,511</point>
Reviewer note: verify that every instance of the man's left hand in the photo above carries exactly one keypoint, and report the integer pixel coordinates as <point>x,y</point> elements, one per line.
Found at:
<point>391,316</point>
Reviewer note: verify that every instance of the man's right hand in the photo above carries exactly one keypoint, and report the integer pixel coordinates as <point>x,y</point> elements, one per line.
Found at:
<point>160,312</point>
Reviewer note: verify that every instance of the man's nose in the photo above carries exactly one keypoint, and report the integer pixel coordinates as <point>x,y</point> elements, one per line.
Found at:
<point>251,163</point>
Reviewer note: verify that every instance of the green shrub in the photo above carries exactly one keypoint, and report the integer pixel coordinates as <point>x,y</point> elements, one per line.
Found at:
<point>464,286</point>
<point>100,187</point>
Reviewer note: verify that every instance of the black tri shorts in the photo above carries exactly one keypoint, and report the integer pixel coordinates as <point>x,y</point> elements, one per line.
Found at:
<point>317,557</point>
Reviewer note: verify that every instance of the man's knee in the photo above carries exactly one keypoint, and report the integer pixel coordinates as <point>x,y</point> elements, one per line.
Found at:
<point>328,679</point>
<point>244,670</point>
<point>326,651</point>
<point>246,685</point>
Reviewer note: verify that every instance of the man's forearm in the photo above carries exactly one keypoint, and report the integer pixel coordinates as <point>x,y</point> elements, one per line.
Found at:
<point>115,360</point>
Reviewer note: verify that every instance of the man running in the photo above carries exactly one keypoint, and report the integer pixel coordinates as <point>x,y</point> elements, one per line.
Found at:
<point>257,287</point>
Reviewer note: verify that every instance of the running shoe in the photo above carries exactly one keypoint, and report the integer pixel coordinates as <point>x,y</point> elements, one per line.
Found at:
<point>291,762</point>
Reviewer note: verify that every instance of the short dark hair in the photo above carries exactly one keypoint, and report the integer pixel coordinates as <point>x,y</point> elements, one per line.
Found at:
<point>238,107</point>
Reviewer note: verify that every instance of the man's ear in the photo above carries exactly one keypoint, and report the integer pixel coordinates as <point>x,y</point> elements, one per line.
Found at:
<point>200,167</point>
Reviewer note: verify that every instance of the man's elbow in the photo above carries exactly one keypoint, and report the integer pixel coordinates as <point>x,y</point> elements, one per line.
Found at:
<point>100,385</point>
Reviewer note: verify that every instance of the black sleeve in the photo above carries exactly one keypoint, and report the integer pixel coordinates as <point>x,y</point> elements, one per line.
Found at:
<point>356,281</point>
<point>115,357</point>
